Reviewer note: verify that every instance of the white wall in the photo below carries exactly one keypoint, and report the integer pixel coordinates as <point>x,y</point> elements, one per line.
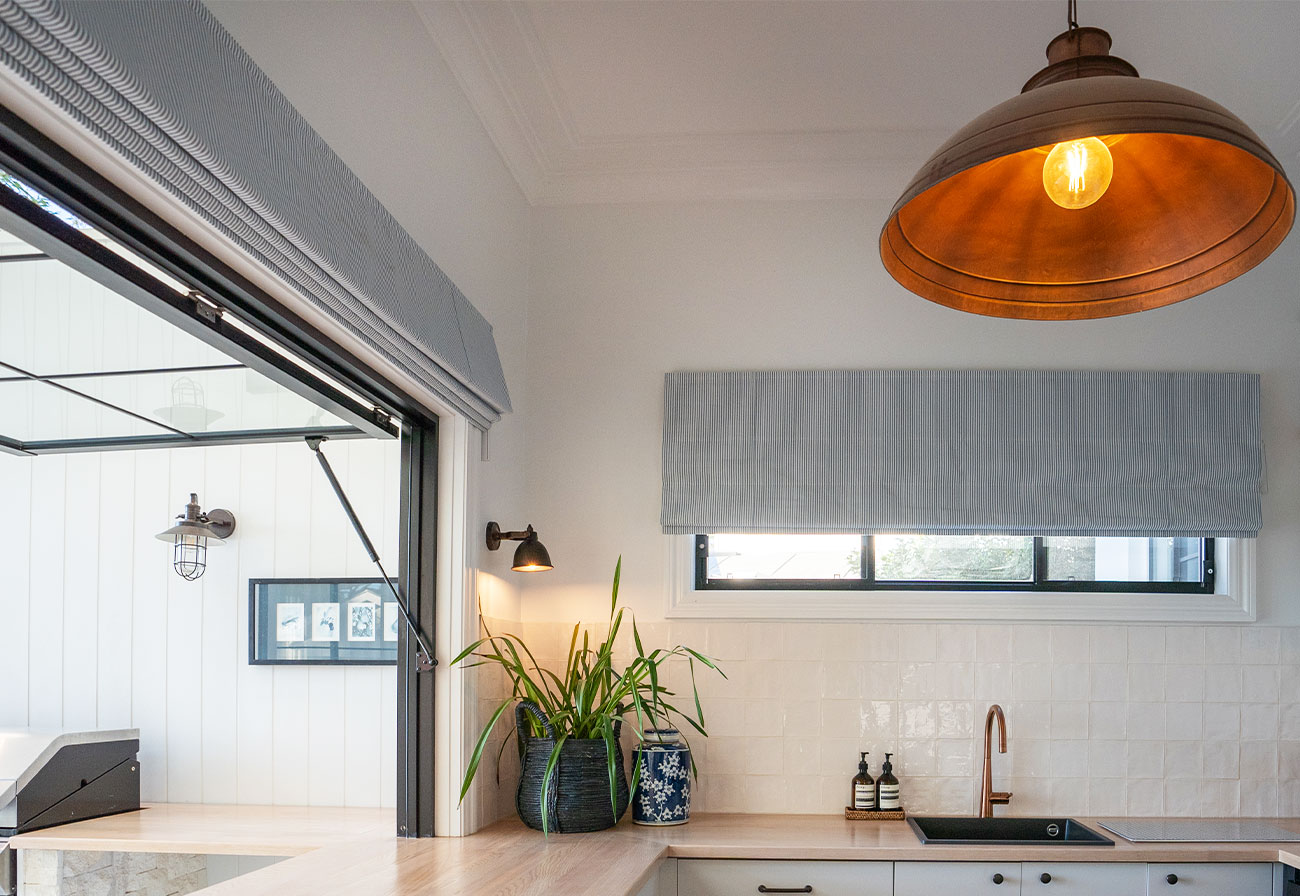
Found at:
<point>1103,719</point>
<point>623,294</point>
<point>97,631</point>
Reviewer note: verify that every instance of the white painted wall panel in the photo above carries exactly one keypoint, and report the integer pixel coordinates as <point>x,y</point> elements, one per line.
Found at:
<point>97,631</point>
<point>45,593</point>
<point>15,566</point>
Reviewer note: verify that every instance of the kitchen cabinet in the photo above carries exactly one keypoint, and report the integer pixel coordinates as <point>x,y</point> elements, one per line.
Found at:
<point>743,877</point>
<point>1210,879</point>
<point>973,878</point>
<point>738,877</point>
<point>1085,879</point>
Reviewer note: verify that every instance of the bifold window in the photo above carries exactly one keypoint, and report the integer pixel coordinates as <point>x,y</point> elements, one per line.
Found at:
<point>954,563</point>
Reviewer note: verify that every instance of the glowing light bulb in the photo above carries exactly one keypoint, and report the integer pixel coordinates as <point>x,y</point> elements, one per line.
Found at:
<point>1077,172</point>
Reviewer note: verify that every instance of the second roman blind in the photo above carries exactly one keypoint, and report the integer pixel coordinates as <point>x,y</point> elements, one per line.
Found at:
<point>963,451</point>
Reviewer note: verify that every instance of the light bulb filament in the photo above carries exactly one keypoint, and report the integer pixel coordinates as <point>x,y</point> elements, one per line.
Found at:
<point>1076,165</point>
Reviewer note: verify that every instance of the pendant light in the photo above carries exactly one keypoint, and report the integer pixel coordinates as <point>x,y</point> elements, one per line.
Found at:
<point>1093,193</point>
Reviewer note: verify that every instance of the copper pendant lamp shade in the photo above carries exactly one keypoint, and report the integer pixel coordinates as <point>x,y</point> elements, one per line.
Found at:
<point>1195,199</point>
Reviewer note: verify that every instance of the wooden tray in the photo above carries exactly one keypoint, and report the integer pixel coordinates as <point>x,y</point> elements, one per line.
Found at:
<point>874,814</point>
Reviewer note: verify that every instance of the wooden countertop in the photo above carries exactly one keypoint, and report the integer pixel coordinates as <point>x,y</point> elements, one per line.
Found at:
<point>507,858</point>
<point>216,830</point>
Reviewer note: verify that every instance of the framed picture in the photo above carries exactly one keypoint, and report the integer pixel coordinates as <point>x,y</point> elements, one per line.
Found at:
<point>322,621</point>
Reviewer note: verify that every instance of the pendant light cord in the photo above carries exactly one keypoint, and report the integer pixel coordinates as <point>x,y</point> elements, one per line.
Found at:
<point>1072,14</point>
<point>424,653</point>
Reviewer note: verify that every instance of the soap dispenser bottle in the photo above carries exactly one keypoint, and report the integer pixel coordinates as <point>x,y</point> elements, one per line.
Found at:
<point>864,789</point>
<point>887,795</point>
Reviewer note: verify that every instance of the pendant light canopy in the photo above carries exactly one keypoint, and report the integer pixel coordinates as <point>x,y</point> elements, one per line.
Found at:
<point>998,223</point>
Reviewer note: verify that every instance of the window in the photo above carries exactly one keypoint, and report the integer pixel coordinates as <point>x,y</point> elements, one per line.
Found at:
<point>975,578</point>
<point>954,563</point>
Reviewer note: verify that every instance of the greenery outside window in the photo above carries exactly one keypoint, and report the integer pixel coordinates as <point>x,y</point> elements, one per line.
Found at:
<point>1162,565</point>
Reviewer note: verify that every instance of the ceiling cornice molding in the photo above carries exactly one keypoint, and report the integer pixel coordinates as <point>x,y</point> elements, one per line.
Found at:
<point>475,61</point>
<point>501,64</point>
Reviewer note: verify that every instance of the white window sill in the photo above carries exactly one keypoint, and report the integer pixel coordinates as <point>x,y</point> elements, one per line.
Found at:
<point>1234,600</point>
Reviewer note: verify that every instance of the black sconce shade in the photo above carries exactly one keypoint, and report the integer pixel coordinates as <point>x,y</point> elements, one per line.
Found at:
<point>530,556</point>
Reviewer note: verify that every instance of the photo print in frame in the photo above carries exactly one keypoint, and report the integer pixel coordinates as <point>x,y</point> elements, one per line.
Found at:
<point>343,621</point>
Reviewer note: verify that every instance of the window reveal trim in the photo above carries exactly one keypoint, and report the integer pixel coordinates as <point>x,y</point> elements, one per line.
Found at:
<point>1233,600</point>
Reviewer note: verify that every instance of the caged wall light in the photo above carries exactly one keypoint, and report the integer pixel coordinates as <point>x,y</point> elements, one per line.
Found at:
<point>190,537</point>
<point>1093,193</point>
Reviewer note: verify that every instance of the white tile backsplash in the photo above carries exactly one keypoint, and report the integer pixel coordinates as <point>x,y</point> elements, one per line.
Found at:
<point>1101,720</point>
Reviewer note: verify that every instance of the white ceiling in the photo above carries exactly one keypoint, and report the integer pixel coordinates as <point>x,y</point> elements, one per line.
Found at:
<point>600,101</point>
<point>680,100</point>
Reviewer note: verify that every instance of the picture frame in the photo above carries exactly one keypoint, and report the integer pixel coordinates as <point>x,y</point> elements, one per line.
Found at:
<point>342,621</point>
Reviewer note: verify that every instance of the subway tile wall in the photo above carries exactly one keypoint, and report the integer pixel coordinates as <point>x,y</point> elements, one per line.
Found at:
<point>1102,719</point>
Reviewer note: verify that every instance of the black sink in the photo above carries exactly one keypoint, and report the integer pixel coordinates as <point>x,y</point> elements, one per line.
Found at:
<point>1006,831</point>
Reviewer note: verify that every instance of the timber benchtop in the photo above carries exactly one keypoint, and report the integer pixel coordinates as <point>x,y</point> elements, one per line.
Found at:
<point>353,851</point>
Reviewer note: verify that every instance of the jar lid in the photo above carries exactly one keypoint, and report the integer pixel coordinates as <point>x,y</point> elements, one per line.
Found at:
<point>660,735</point>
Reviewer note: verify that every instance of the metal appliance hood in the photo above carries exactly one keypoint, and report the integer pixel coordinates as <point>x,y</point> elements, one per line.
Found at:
<point>54,777</point>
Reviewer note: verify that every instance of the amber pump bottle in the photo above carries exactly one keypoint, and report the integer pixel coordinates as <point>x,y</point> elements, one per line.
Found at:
<point>864,789</point>
<point>887,795</point>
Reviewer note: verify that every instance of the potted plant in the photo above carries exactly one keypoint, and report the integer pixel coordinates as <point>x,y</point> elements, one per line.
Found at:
<point>568,722</point>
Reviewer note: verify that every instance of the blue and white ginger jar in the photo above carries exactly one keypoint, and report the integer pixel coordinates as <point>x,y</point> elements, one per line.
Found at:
<point>663,793</point>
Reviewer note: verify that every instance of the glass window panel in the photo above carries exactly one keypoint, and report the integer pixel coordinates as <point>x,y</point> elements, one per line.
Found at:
<point>209,401</point>
<point>11,245</point>
<point>1124,559</point>
<point>32,411</point>
<point>55,321</point>
<point>784,556</point>
<point>955,558</point>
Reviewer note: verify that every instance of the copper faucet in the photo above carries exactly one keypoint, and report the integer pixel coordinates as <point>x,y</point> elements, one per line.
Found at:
<point>988,797</point>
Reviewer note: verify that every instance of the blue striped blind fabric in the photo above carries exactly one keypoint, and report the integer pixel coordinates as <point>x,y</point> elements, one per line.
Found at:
<point>963,451</point>
<point>164,87</point>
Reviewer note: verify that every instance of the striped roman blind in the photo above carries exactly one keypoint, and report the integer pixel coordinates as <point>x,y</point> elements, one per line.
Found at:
<point>963,451</point>
<point>163,87</point>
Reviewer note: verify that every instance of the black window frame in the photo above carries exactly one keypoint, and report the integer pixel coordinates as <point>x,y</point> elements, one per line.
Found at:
<point>867,580</point>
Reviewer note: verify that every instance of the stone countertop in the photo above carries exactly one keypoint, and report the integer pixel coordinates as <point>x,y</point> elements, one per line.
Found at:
<point>508,858</point>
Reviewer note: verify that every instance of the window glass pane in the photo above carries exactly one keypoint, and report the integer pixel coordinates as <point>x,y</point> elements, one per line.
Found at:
<point>784,556</point>
<point>54,320</point>
<point>33,411</point>
<point>955,558</point>
<point>1124,559</point>
<point>209,400</point>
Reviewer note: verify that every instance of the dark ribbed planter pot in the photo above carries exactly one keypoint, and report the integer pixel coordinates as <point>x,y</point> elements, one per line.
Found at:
<point>579,793</point>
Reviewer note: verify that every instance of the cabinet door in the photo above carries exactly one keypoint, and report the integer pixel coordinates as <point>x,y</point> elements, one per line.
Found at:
<point>1206,879</point>
<point>742,877</point>
<point>964,878</point>
<point>1084,879</point>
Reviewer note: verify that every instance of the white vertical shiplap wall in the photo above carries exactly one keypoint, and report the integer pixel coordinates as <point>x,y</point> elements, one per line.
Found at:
<point>96,631</point>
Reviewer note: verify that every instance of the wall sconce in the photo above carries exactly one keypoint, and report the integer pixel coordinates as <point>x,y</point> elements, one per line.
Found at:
<point>531,556</point>
<point>190,536</point>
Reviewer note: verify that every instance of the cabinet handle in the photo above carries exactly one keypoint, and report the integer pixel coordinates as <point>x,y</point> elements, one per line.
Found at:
<point>998,878</point>
<point>1171,879</point>
<point>1045,877</point>
<point>806,888</point>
